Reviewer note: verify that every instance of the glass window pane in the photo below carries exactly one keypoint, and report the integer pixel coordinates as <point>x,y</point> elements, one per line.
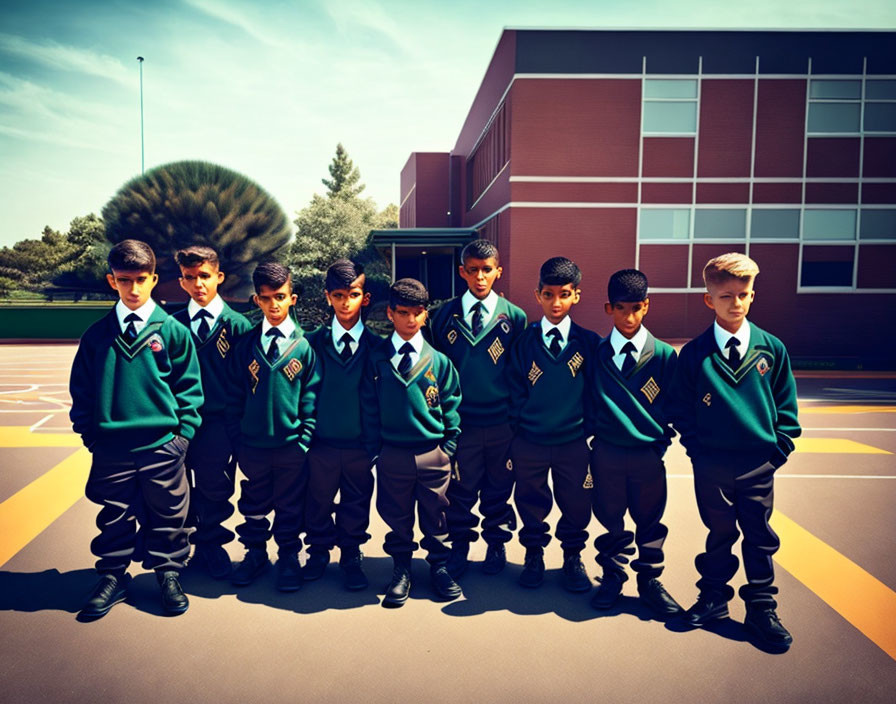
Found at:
<point>826,273</point>
<point>775,223</point>
<point>829,225</point>
<point>880,117</point>
<point>833,117</point>
<point>878,224</point>
<point>670,89</point>
<point>663,223</point>
<point>836,89</point>
<point>671,117</point>
<point>720,223</point>
<point>880,90</point>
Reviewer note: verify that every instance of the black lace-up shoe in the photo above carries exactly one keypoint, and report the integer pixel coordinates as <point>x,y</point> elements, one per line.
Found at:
<point>707,609</point>
<point>495,559</point>
<point>575,578</point>
<point>443,584</point>
<point>654,595</point>
<point>174,601</point>
<point>533,571</point>
<point>290,574</point>
<point>108,592</point>
<point>214,560</point>
<point>252,566</point>
<point>316,565</point>
<point>399,588</point>
<point>763,624</point>
<point>608,591</point>
<point>354,578</point>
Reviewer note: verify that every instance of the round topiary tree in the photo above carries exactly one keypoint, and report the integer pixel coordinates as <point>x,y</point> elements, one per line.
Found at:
<point>197,202</point>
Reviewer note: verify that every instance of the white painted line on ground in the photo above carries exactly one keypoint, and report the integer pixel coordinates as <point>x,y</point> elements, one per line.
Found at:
<point>40,422</point>
<point>31,387</point>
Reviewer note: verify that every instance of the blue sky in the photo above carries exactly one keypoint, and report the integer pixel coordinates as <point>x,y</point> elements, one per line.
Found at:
<point>269,87</point>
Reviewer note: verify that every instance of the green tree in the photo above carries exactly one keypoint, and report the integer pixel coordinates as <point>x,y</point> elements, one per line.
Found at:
<point>344,176</point>
<point>30,264</point>
<point>196,202</point>
<point>87,271</point>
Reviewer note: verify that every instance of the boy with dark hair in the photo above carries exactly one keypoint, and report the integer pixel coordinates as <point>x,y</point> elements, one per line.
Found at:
<point>548,414</point>
<point>410,426</point>
<point>274,380</point>
<point>136,390</point>
<point>476,332</point>
<point>337,461</point>
<point>734,403</point>
<point>628,383</point>
<point>212,455</point>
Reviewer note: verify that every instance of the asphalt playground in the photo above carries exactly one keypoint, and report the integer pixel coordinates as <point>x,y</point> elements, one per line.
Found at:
<point>834,512</point>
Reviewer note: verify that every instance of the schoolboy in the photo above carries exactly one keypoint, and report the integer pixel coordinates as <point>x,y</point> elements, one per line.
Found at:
<point>211,458</point>
<point>548,396</point>
<point>629,382</point>
<point>136,390</point>
<point>337,460</point>
<point>734,403</point>
<point>274,382</point>
<point>410,426</point>
<point>476,331</point>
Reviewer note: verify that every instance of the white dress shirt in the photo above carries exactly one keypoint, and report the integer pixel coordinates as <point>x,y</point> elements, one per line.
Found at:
<point>618,341</point>
<point>742,335</point>
<point>338,331</point>
<point>144,311</point>
<point>489,303</point>
<point>397,343</point>
<point>287,327</point>
<point>563,326</point>
<point>214,307</point>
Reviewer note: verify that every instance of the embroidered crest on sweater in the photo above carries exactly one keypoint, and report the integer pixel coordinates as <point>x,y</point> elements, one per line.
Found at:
<point>222,344</point>
<point>431,376</point>
<point>762,366</point>
<point>534,373</point>
<point>253,370</point>
<point>575,364</point>
<point>155,343</point>
<point>496,350</point>
<point>589,480</point>
<point>292,369</point>
<point>452,336</point>
<point>432,396</point>
<point>651,389</point>
<point>707,399</point>
<point>505,326</point>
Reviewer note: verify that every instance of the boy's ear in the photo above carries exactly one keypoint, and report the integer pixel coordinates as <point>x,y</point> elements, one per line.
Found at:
<point>500,271</point>
<point>294,298</point>
<point>220,276</point>
<point>366,300</point>
<point>389,313</point>
<point>707,299</point>
<point>255,300</point>
<point>327,296</point>
<point>608,308</point>
<point>111,279</point>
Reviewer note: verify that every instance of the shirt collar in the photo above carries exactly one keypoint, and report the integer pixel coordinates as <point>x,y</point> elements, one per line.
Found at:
<point>338,331</point>
<point>618,340</point>
<point>563,326</point>
<point>416,341</point>
<point>287,327</point>
<point>214,306</point>
<point>468,300</point>
<point>722,336</point>
<point>144,311</point>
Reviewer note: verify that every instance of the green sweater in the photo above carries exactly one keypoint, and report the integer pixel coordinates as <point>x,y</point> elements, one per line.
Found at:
<point>417,411</point>
<point>628,410</point>
<point>213,352</point>
<point>273,404</point>
<point>548,394</point>
<point>135,396</point>
<point>750,412</point>
<point>339,401</point>
<point>480,361</point>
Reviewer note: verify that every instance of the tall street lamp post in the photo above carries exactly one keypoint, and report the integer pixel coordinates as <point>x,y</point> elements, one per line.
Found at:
<point>142,162</point>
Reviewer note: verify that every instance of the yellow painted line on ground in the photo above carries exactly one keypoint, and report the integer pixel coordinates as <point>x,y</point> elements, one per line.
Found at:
<point>847,409</point>
<point>26,514</point>
<point>21,436</point>
<point>838,445</point>
<point>863,600</point>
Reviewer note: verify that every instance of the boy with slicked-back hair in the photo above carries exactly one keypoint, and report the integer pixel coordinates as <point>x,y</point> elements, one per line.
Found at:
<point>274,382</point>
<point>410,426</point>
<point>548,414</point>
<point>212,455</point>
<point>136,392</point>
<point>629,382</point>
<point>337,460</point>
<point>734,403</point>
<point>477,331</point>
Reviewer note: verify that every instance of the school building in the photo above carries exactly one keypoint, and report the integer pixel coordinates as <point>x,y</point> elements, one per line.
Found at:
<point>659,149</point>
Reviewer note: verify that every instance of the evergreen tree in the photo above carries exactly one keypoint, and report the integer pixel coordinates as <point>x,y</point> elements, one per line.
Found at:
<point>344,176</point>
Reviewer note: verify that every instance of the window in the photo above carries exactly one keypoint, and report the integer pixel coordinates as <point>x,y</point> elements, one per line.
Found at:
<point>878,225</point>
<point>775,224</point>
<point>665,224</point>
<point>829,224</point>
<point>834,106</point>
<point>880,106</point>
<point>720,223</point>
<point>827,266</point>
<point>490,157</point>
<point>670,106</point>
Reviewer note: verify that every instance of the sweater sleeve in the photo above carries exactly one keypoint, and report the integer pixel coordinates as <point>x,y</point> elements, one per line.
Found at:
<point>449,400</point>
<point>787,426</point>
<point>311,381</point>
<point>370,409</point>
<point>82,387</point>
<point>186,381</point>
<point>682,400</point>
<point>516,380</point>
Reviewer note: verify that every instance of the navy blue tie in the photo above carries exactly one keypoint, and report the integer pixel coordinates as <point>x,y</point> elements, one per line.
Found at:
<point>628,363</point>
<point>204,328</point>
<point>346,354</point>
<point>476,323</point>
<point>130,332</point>
<point>733,353</point>
<point>273,348</point>
<point>554,348</point>
<point>404,366</point>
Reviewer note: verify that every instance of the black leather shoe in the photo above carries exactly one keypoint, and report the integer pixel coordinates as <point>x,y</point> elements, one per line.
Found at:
<point>457,560</point>
<point>706,610</point>
<point>608,591</point>
<point>763,624</point>
<point>399,588</point>
<point>315,565</point>
<point>255,563</point>
<point>533,571</point>
<point>354,578</point>
<point>495,559</point>
<point>654,595</point>
<point>575,578</point>
<point>174,601</point>
<point>108,592</point>
<point>443,584</point>
<point>290,574</point>
<point>214,560</point>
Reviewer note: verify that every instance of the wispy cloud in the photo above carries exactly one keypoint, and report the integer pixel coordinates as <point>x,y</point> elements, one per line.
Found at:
<point>242,18</point>
<point>66,58</point>
<point>371,16</point>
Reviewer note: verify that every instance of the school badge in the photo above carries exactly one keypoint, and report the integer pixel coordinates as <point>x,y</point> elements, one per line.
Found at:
<point>651,389</point>
<point>432,396</point>
<point>155,343</point>
<point>575,364</point>
<point>589,480</point>
<point>292,369</point>
<point>707,399</point>
<point>534,373</point>
<point>496,350</point>
<point>452,336</point>
<point>505,326</point>
<point>253,370</point>
<point>222,344</point>
<point>762,366</point>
